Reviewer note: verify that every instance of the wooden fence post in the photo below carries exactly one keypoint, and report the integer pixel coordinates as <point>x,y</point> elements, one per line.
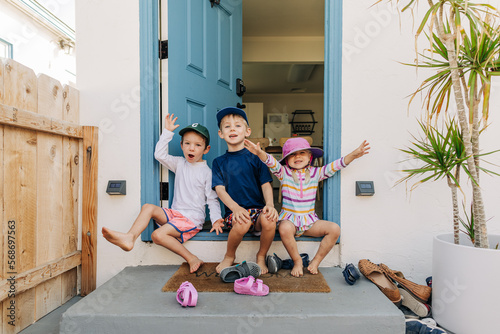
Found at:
<point>89,209</point>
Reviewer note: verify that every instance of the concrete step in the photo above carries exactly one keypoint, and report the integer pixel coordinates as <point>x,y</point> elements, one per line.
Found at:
<point>132,302</point>
<point>49,324</point>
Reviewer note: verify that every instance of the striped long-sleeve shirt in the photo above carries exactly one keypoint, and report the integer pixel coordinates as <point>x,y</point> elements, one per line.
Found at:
<point>299,198</point>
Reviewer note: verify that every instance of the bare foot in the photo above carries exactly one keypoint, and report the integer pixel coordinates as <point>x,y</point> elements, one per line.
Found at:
<point>313,267</point>
<point>261,261</point>
<point>298,269</point>
<point>123,240</point>
<point>227,262</point>
<point>194,264</point>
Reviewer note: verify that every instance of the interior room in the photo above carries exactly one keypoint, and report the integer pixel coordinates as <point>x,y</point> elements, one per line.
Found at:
<point>283,54</point>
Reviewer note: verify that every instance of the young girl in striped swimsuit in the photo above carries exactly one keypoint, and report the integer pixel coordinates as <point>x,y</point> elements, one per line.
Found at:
<point>299,186</point>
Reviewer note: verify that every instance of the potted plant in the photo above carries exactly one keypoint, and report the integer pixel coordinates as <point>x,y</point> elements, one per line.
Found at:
<point>464,50</point>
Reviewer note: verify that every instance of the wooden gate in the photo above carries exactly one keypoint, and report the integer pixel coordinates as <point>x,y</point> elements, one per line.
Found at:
<point>48,178</point>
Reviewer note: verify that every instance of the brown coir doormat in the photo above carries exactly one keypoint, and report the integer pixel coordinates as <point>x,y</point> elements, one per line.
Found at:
<point>206,279</point>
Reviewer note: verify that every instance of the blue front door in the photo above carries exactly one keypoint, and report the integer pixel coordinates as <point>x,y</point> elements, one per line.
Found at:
<point>204,62</point>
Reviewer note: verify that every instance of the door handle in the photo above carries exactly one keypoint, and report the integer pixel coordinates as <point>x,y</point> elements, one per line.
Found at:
<point>240,87</point>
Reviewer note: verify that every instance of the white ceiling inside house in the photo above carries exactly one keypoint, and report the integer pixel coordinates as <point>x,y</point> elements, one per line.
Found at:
<point>283,18</point>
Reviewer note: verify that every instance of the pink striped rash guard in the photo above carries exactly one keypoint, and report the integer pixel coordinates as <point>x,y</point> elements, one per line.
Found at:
<point>299,198</point>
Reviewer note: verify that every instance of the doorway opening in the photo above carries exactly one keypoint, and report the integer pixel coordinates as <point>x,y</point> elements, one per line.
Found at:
<point>283,71</point>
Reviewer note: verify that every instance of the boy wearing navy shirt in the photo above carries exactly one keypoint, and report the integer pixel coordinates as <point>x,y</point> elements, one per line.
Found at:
<point>243,184</point>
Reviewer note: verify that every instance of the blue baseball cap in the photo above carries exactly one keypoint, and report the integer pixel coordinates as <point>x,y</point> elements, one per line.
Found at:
<point>230,111</point>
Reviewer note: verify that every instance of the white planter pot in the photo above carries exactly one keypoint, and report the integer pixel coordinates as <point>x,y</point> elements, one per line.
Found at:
<point>466,285</point>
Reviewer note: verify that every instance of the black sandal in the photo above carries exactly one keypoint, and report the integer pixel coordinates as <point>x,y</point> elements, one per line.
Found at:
<point>244,269</point>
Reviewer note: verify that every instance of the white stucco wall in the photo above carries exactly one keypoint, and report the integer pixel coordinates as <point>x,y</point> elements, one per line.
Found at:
<point>388,227</point>
<point>394,226</point>
<point>109,84</point>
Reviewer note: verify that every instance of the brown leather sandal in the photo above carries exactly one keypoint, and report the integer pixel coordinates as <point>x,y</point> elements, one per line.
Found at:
<point>375,274</point>
<point>421,292</point>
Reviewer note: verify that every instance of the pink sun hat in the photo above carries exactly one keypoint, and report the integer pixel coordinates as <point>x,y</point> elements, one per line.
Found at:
<point>296,144</point>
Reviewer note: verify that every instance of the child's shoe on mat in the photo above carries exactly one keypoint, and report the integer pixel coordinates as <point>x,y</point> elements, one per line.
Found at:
<point>273,263</point>
<point>288,263</point>
<point>414,326</point>
<point>244,269</point>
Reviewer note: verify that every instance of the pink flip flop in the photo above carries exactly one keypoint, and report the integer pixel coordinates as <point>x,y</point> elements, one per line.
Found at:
<point>187,294</point>
<point>250,286</point>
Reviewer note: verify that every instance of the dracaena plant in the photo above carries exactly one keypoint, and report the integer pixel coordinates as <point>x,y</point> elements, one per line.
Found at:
<point>441,154</point>
<point>468,224</point>
<point>463,49</point>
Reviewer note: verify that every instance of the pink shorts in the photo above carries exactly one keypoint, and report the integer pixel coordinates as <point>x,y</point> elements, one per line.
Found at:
<point>183,225</point>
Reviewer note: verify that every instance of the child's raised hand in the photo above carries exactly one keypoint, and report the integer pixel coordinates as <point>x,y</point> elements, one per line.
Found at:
<point>217,226</point>
<point>170,122</point>
<point>255,149</point>
<point>363,149</point>
<point>252,147</point>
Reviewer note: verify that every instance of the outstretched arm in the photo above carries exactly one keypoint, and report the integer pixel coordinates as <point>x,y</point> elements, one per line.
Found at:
<point>255,149</point>
<point>357,153</point>
<point>329,169</point>
<point>268,159</point>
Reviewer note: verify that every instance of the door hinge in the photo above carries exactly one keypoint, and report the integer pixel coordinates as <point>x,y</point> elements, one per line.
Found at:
<point>164,49</point>
<point>240,87</point>
<point>164,191</point>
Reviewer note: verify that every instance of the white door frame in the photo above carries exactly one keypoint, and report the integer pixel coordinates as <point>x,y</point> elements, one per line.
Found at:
<point>150,103</point>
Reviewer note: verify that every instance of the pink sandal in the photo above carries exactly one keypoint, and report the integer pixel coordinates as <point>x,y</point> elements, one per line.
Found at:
<point>187,294</point>
<point>250,286</point>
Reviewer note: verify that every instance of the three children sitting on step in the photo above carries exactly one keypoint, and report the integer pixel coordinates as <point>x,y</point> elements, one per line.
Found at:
<point>241,180</point>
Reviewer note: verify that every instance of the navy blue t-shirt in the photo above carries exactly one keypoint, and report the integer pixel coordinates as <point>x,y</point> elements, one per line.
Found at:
<point>242,174</point>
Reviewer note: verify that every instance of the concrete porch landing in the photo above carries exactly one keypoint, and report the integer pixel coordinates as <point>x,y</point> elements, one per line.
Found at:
<point>132,302</point>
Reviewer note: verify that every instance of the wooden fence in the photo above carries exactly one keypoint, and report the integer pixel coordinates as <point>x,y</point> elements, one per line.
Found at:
<point>48,165</point>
